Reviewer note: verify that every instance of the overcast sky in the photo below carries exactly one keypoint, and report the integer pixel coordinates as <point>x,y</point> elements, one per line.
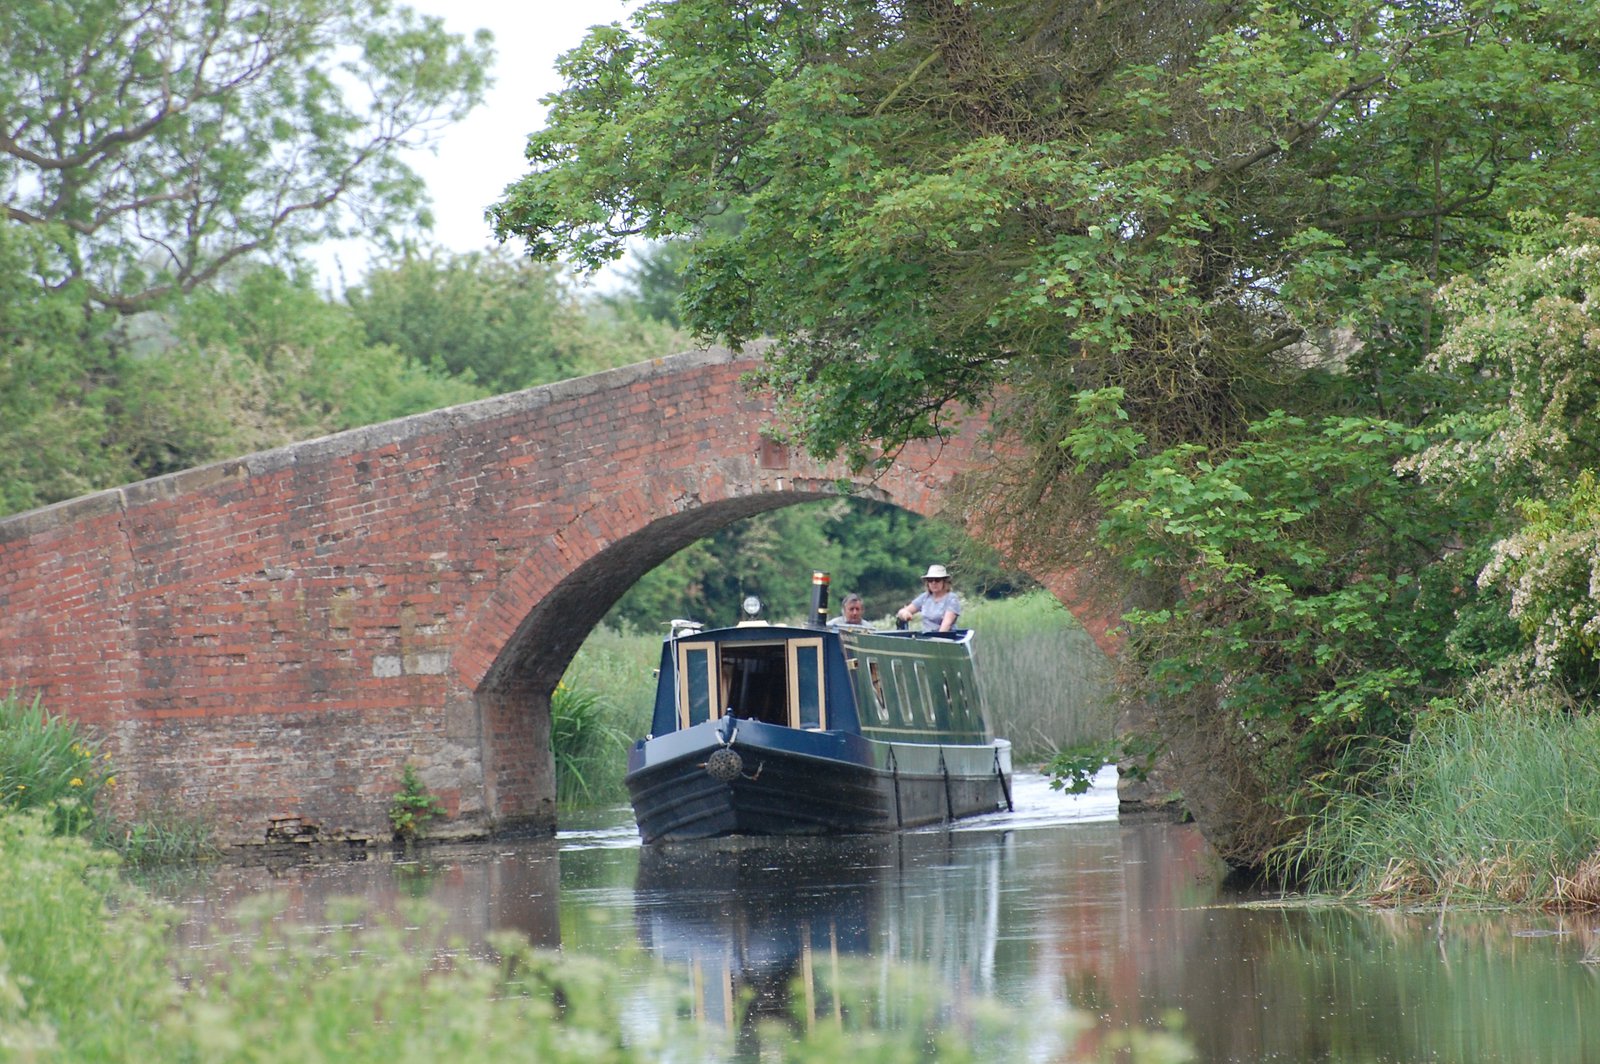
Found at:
<point>477,158</point>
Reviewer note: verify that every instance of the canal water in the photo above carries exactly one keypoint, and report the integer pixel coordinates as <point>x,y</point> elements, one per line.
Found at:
<point>1055,906</point>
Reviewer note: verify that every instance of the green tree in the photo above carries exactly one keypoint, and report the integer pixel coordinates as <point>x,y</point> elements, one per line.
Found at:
<point>655,281</point>
<point>281,363</point>
<point>1175,199</point>
<point>1217,210</point>
<point>156,144</point>
<point>874,549</point>
<point>1521,347</point>
<point>504,322</point>
<point>53,361</point>
<point>92,399</point>
<point>490,317</point>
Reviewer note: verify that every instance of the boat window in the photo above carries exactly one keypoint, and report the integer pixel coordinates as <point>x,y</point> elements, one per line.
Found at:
<point>971,704</point>
<point>928,713</point>
<point>895,668</point>
<point>805,682</point>
<point>756,681</point>
<point>697,691</point>
<point>877,689</point>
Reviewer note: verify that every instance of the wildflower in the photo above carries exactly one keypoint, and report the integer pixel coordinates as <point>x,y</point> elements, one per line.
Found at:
<point>76,782</point>
<point>111,781</point>
<point>22,786</point>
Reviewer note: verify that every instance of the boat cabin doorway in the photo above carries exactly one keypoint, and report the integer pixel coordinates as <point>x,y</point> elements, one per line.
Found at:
<point>773,681</point>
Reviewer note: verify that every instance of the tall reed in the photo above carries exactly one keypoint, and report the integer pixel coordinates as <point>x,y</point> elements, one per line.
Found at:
<point>1493,805</point>
<point>603,703</point>
<point>1046,684</point>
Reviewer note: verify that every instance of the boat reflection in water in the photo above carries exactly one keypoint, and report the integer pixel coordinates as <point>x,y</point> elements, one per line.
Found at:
<point>772,928</point>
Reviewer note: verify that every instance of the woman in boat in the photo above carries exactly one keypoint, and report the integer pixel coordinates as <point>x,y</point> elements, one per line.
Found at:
<point>938,605</point>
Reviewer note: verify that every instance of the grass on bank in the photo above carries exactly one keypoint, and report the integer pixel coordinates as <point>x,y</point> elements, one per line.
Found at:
<point>1492,805</point>
<point>1045,683</point>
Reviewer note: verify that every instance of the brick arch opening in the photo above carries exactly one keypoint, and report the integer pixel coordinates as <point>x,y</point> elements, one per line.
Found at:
<point>513,697</point>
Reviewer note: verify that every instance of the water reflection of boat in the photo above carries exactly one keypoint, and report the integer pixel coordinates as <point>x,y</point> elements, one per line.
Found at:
<point>775,730</point>
<point>748,916</point>
<point>754,922</point>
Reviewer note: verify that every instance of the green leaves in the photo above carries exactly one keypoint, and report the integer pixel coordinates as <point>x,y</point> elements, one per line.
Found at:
<point>1194,204</point>
<point>1304,569</point>
<point>156,150</point>
<point>1101,435</point>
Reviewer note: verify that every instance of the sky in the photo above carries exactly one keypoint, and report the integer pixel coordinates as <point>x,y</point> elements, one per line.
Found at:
<point>474,160</point>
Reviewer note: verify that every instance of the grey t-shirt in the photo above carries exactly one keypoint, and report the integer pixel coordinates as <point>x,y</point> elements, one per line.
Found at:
<point>934,608</point>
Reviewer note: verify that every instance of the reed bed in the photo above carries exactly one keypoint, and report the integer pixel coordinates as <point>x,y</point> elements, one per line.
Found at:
<point>1046,685</point>
<point>603,704</point>
<point>1492,806</point>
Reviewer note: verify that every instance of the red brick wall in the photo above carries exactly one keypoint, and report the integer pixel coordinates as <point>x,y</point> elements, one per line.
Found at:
<point>278,635</point>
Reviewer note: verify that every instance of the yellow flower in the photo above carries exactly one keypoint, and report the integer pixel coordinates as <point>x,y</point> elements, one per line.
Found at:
<point>76,782</point>
<point>22,786</point>
<point>111,781</point>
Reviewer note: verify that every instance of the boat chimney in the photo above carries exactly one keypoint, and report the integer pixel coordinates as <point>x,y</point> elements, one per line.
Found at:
<point>819,598</point>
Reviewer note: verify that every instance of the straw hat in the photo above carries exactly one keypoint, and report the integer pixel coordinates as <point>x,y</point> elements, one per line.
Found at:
<point>936,572</point>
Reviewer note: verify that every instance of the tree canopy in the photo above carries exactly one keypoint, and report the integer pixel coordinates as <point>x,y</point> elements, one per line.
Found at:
<point>156,143</point>
<point>1188,254</point>
<point>1185,200</point>
<point>501,321</point>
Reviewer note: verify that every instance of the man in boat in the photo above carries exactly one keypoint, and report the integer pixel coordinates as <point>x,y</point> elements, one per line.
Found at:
<point>852,610</point>
<point>938,605</point>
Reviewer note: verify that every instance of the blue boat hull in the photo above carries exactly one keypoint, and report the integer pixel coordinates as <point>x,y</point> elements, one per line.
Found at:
<point>788,781</point>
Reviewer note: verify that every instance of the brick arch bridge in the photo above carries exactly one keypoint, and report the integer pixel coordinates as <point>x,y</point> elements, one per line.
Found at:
<point>278,635</point>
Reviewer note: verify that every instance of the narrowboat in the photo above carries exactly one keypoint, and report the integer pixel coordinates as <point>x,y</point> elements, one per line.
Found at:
<point>767,729</point>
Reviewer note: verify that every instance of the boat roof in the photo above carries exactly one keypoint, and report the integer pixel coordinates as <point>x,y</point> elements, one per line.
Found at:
<point>757,630</point>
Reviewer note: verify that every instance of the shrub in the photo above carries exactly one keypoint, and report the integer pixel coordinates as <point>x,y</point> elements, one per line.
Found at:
<point>413,807</point>
<point>47,762</point>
